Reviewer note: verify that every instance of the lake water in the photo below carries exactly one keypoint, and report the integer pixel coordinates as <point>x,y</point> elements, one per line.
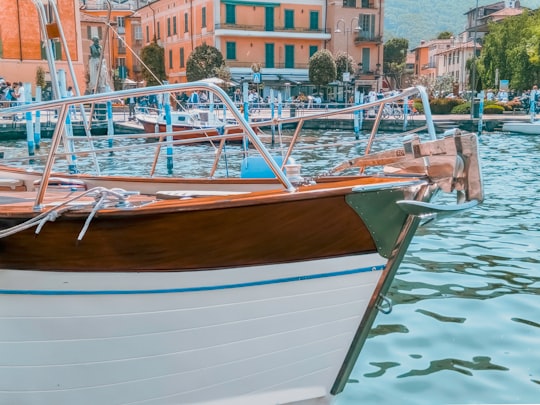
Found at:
<point>465,326</point>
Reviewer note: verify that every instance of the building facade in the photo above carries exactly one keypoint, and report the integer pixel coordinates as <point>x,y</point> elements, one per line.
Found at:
<point>279,38</point>
<point>22,48</point>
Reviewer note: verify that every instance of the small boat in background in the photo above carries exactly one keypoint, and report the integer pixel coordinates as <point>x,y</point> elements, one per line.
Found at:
<point>197,123</point>
<point>221,275</point>
<point>522,127</point>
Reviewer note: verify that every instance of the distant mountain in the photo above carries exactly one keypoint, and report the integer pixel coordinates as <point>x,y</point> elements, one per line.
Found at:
<point>418,20</point>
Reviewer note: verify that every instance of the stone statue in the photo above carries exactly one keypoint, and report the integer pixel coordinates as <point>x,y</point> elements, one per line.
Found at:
<point>97,69</point>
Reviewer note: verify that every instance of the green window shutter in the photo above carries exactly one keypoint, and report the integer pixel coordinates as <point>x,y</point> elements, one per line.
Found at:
<point>269,19</point>
<point>313,20</point>
<point>289,19</point>
<point>269,55</point>
<point>289,56</point>
<point>230,14</point>
<point>231,50</point>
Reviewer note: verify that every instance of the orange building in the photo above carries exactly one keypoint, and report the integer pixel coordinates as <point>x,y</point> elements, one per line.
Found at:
<point>357,28</point>
<point>21,41</point>
<point>279,37</point>
<point>120,34</point>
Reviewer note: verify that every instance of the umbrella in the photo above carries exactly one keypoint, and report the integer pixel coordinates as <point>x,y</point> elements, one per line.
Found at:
<point>218,81</point>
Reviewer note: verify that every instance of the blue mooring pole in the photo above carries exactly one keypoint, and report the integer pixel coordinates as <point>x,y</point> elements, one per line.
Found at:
<point>37,123</point>
<point>168,129</point>
<point>29,122</point>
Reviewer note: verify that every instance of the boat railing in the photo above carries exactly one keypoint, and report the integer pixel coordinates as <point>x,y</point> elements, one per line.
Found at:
<point>62,143</point>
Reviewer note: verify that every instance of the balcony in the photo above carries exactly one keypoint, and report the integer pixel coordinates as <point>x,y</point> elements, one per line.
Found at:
<point>367,37</point>
<point>280,65</point>
<point>360,4</point>
<point>96,5</point>
<point>262,28</point>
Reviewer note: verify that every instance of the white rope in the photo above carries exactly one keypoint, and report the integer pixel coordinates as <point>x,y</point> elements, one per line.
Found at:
<point>103,197</point>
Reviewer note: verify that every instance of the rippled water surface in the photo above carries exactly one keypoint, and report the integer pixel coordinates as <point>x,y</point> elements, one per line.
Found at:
<point>465,326</point>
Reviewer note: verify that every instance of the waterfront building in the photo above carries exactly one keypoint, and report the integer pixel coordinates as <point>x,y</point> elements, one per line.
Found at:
<point>448,57</point>
<point>278,37</point>
<point>21,44</point>
<point>119,30</point>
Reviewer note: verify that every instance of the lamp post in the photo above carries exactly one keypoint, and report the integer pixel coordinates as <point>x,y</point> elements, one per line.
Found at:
<point>346,31</point>
<point>473,81</point>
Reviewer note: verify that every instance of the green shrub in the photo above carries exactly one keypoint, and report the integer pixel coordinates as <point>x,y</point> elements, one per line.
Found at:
<point>493,109</point>
<point>464,108</point>
<point>444,105</point>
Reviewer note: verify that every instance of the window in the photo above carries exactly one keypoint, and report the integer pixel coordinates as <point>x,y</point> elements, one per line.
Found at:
<point>312,50</point>
<point>158,34</point>
<point>269,55</point>
<point>230,14</point>
<point>186,22</point>
<point>174,25</point>
<point>349,3</point>
<point>170,59</point>
<point>121,25</point>
<point>269,19</point>
<point>93,32</point>
<point>289,19</point>
<point>182,58</point>
<point>147,34</point>
<point>289,56</point>
<point>203,17</point>
<point>367,23</point>
<point>365,3</point>
<point>57,50</point>
<point>366,59</point>
<point>169,31</point>
<point>137,33</point>
<point>121,70</point>
<point>230,50</point>
<point>313,20</point>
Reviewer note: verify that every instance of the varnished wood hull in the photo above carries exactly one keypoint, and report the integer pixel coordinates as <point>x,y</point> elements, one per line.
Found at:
<point>150,128</point>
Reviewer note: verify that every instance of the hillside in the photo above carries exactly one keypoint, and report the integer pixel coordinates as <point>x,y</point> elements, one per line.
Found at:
<point>418,20</point>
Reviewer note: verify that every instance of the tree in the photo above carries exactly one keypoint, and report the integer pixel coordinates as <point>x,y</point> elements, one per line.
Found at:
<point>344,63</point>
<point>153,57</point>
<point>203,62</point>
<point>40,78</point>
<point>511,51</point>
<point>224,73</point>
<point>395,58</point>
<point>445,35</point>
<point>322,68</point>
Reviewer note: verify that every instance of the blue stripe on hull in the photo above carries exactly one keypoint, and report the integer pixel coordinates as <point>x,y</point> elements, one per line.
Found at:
<point>194,289</point>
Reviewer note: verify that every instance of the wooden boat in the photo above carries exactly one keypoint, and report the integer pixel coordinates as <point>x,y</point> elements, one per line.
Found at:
<point>522,127</point>
<point>255,283</point>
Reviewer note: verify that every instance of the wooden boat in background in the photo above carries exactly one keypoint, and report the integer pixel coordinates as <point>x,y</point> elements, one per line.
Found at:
<point>189,124</point>
<point>240,279</point>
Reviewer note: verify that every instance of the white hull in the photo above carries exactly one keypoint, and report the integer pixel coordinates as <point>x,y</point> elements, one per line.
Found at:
<point>264,335</point>
<point>527,128</point>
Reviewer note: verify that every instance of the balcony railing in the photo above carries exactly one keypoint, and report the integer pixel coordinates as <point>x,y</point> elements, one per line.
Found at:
<point>281,65</point>
<point>249,27</point>
<point>116,5</point>
<point>367,37</point>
